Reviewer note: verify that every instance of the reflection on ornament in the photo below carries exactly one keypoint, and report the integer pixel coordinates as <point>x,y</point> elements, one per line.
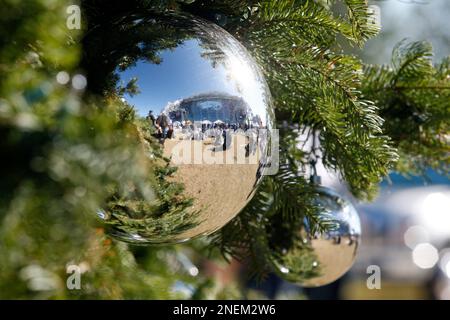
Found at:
<point>208,104</point>
<point>330,254</point>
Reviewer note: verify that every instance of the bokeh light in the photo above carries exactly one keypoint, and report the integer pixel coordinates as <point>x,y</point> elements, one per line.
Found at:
<point>415,235</point>
<point>63,77</point>
<point>425,255</point>
<point>79,82</point>
<point>436,213</point>
<point>444,263</point>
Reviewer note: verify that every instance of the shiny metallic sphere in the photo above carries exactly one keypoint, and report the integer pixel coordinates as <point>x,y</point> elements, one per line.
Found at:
<point>329,255</point>
<point>209,107</point>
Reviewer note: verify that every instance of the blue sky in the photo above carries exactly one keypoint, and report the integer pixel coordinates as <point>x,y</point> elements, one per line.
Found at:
<point>182,73</point>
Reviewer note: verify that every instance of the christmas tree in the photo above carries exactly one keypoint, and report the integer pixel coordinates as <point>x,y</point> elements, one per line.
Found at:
<point>72,148</point>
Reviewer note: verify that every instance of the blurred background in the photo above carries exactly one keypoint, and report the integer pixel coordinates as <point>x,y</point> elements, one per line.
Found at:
<point>406,230</point>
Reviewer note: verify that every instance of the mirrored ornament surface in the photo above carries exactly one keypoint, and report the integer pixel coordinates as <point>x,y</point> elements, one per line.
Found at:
<point>206,102</point>
<point>324,257</point>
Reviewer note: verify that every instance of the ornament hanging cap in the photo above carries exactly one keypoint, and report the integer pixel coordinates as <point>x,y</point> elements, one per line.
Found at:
<point>314,179</point>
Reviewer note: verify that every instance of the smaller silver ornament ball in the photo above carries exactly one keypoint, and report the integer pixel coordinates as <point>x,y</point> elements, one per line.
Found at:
<point>324,257</point>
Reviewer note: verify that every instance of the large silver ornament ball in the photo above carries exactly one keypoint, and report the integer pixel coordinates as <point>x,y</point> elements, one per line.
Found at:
<point>327,256</point>
<point>211,110</point>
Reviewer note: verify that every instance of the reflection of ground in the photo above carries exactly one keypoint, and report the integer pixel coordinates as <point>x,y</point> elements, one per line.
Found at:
<point>334,260</point>
<point>219,183</point>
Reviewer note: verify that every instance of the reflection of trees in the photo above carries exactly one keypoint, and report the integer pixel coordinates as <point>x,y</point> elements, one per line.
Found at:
<point>132,217</point>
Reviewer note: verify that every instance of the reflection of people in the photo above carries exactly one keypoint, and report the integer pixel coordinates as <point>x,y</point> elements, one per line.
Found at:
<point>226,139</point>
<point>197,134</point>
<point>151,117</point>
<point>252,138</point>
<point>163,123</point>
<point>219,138</point>
<point>170,134</point>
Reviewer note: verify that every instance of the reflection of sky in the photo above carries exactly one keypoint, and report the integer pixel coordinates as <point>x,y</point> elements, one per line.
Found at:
<point>184,73</point>
<point>180,75</point>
